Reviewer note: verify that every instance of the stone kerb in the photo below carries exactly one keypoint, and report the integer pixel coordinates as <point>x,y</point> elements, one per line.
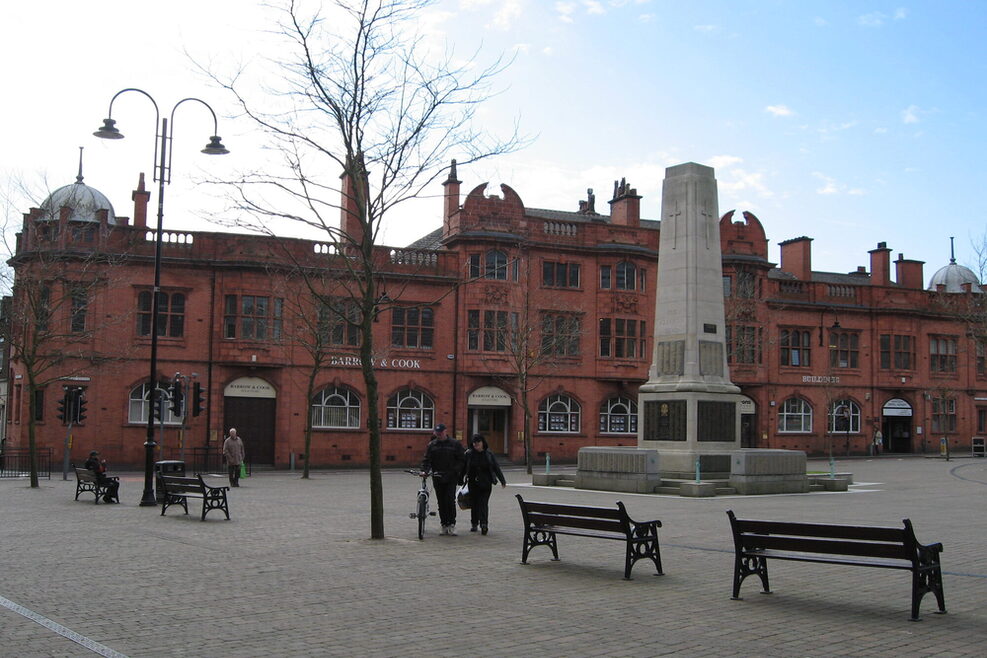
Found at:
<point>634,470</point>
<point>757,471</point>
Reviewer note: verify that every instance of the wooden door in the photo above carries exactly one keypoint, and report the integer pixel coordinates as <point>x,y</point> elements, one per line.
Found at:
<point>253,419</point>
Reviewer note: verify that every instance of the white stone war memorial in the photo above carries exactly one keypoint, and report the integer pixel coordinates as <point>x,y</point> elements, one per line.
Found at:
<point>689,417</point>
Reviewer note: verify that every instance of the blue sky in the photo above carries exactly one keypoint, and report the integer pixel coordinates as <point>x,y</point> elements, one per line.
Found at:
<point>850,122</point>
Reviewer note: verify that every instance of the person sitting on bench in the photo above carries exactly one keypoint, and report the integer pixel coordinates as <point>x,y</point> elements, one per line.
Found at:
<point>98,466</point>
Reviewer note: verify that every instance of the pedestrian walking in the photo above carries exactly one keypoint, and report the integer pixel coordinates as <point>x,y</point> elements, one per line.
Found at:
<point>233,455</point>
<point>480,474</point>
<point>444,459</point>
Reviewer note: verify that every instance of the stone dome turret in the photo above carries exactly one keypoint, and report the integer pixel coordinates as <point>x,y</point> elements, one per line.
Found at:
<point>953,277</point>
<point>83,200</point>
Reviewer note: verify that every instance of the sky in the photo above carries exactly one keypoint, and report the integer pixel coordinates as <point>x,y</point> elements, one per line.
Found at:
<point>852,123</point>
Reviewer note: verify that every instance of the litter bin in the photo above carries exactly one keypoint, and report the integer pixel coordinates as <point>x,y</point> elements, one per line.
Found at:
<point>169,467</point>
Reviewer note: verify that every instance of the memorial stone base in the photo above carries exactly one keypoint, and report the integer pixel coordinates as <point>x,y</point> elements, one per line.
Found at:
<point>759,471</point>
<point>618,469</point>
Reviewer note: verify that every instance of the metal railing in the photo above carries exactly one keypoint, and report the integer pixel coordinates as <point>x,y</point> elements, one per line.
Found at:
<point>208,460</point>
<point>16,463</point>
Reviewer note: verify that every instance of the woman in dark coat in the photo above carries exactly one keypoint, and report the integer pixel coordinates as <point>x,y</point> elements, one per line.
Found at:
<point>481,473</point>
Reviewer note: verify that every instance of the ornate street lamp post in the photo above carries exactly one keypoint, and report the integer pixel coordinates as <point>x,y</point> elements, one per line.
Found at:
<point>162,175</point>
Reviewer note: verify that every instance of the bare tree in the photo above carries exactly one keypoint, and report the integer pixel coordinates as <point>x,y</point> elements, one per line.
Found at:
<point>360,94</point>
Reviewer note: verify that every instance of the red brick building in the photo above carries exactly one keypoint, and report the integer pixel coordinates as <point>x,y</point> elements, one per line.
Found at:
<point>827,360</point>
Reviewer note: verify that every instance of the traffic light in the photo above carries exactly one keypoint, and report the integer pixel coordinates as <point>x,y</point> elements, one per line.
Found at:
<point>62,404</point>
<point>177,397</point>
<point>80,407</point>
<point>157,403</point>
<point>198,399</point>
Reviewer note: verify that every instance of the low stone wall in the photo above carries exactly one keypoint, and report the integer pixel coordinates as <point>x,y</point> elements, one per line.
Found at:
<point>759,471</point>
<point>635,470</point>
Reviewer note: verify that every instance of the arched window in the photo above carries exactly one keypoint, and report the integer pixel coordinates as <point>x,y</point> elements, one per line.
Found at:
<point>795,415</point>
<point>558,413</point>
<point>844,416</point>
<point>336,407</point>
<point>410,410</point>
<point>626,276</point>
<point>140,404</point>
<point>495,265</point>
<point>618,416</point>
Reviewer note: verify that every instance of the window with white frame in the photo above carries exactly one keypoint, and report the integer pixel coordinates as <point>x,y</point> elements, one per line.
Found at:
<point>618,415</point>
<point>336,407</point>
<point>140,404</point>
<point>795,415</point>
<point>844,417</point>
<point>559,413</point>
<point>410,410</point>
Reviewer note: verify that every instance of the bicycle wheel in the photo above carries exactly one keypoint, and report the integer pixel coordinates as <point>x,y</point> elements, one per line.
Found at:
<point>422,513</point>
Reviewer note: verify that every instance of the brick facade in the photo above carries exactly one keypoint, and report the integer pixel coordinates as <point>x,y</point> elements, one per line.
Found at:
<point>903,360</point>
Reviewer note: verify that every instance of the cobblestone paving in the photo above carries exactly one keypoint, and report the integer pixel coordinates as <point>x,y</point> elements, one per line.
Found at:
<point>294,574</point>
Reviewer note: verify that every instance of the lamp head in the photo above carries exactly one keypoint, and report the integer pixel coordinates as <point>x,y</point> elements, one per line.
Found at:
<point>215,146</point>
<point>109,130</point>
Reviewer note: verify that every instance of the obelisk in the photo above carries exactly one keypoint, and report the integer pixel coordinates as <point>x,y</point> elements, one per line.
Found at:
<point>689,408</point>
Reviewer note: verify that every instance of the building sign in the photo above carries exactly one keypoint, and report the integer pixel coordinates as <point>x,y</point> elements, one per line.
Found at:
<point>488,396</point>
<point>897,407</point>
<point>820,379</point>
<point>249,387</point>
<point>747,405</point>
<point>385,363</point>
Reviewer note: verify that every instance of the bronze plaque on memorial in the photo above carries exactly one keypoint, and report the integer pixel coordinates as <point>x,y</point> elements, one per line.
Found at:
<point>717,421</point>
<point>664,420</point>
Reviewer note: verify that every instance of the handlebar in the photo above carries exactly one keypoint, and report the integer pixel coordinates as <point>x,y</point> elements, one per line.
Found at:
<point>418,472</point>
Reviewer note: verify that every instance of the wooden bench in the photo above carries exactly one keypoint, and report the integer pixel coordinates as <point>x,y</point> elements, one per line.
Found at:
<point>863,546</point>
<point>177,491</point>
<point>86,480</point>
<point>543,521</point>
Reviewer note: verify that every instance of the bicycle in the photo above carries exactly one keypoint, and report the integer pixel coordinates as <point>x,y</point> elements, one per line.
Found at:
<point>422,508</point>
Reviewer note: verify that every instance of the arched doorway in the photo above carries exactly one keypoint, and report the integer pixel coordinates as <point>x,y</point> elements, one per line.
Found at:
<point>748,422</point>
<point>896,426</point>
<point>487,414</point>
<point>249,404</point>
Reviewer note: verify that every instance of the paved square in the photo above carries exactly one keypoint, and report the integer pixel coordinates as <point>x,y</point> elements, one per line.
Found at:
<point>294,574</point>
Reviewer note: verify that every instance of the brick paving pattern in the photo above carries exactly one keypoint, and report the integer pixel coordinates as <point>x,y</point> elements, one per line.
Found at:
<point>295,574</point>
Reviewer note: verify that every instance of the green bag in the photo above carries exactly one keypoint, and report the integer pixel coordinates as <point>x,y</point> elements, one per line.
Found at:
<point>243,470</point>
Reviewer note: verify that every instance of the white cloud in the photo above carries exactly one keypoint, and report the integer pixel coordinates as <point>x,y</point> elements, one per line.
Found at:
<point>881,130</point>
<point>829,184</point>
<point>548,50</point>
<point>820,21</point>
<point>900,14</point>
<point>565,11</point>
<point>779,110</point>
<point>911,114</point>
<point>708,29</point>
<point>720,162</point>
<point>506,15</point>
<point>873,19</point>
<point>594,7</point>
<point>522,48</point>
<point>646,18</point>
<point>737,181</point>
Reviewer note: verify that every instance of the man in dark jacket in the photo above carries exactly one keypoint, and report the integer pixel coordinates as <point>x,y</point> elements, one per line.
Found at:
<point>444,459</point>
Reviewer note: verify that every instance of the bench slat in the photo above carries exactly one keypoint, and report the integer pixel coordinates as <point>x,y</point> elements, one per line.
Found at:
<point>826,546</point>
<point>575,522</point>
<point>826,559</point>
<point>574,510</point>
<point>864,533</point>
